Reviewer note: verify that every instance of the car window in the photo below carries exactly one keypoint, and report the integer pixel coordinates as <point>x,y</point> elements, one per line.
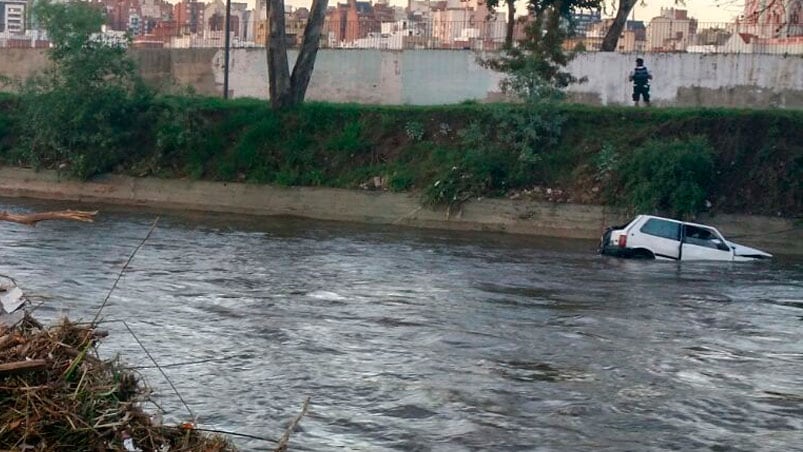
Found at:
<point>701,236</point>
<point>662,228</point>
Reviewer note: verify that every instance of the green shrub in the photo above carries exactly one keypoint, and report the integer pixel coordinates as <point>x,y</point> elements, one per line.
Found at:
<point>349,141</point>
<point>670,177</point>
<point>503,152</point>
<point>401,179</point>
<point>83,111</point>
<point>5,131</point>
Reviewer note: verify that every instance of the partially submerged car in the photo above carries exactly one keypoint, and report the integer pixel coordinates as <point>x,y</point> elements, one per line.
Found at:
<point>651,237</point>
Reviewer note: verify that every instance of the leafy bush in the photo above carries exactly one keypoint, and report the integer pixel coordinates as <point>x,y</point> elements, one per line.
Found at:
<point>668,176</point>
<point>505,151</point>
<point>5,131</point>
<point>80,112</point>
<point>181,139</point>
<point>534,68</point>
<point>606,163</point>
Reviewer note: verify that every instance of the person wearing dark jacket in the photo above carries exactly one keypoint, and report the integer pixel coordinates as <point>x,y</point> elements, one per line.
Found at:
<point>640,77</point>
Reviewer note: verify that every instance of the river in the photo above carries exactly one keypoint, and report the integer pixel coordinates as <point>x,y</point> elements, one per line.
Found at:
<point>418,340</point>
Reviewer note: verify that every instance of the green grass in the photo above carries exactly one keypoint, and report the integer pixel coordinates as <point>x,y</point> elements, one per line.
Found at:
<point>496,148</point>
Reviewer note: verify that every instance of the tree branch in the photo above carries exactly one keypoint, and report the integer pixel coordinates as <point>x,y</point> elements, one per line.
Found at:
<point>32,218</point>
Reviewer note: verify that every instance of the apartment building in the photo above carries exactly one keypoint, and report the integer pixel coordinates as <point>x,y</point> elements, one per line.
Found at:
<point>189,16</point>
<point>672,31</point>
<point>12,17</point>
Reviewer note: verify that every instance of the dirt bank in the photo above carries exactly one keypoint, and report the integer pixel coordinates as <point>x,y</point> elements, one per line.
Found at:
<point>777,235</point>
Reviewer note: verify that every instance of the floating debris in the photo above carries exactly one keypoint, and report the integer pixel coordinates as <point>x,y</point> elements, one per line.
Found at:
<point>56,394</point>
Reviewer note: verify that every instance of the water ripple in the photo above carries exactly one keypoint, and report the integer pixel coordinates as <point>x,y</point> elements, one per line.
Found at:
<point>412,340</point>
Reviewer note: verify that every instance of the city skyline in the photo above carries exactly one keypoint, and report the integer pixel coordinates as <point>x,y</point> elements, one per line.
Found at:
<point>716,11</point>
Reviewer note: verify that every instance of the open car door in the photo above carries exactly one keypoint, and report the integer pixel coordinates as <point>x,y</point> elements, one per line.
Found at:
<point>703,243</point>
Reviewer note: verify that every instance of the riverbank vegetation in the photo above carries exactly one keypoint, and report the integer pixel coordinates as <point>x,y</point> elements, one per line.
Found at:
<point>91,114</point>
<point>674,160</point>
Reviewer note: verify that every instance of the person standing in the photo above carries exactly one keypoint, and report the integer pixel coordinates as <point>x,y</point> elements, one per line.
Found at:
<point>641,77</point>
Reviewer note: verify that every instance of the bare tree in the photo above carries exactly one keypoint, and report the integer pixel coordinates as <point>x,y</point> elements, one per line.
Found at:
<point>288,90</point>
<point>511,23</point>
<point>612,37</point>
<point>511,18</point>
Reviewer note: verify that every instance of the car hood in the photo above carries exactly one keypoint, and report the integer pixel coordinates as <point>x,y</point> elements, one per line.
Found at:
<point>746,251</point>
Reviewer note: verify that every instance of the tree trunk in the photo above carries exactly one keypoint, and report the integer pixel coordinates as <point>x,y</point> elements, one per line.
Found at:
<point>278,69</point>
<point>511,23</point>
<point>612,37</point>
<point>302,71</point>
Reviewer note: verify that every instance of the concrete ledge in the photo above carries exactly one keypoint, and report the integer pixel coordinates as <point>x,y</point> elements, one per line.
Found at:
<point>776,235</point>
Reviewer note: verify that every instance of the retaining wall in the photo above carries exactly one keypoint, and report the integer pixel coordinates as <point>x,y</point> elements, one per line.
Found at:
<point>499,215</point>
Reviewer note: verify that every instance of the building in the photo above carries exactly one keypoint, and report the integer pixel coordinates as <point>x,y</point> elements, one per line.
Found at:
<point>118,13</point>
<point>583,19</point>
<point>347,22</point>
<point>134,23</point>
<point>632,39</point>
<point>215,21</point>
<point>164,31</point>
<point>768,19</point>
<point>189,16</point>
<point>452,27</point>
<point>294,25</point>
<point>672,31</point>
<point>468,24</point>
<point>12,17</point>
<point>768,26</point>
<point>295,22</point>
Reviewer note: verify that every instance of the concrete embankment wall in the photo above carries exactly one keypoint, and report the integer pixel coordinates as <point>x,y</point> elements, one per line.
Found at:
<point>776,235</point>
<point>433,77</point>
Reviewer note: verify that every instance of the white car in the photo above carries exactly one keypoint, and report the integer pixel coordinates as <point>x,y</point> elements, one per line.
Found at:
<point>650,237</point>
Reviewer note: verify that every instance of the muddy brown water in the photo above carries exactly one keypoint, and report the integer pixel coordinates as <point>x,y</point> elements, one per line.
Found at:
<point>423,340</point>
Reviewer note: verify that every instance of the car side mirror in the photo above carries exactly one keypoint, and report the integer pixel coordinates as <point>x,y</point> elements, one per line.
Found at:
<point>720,245</point>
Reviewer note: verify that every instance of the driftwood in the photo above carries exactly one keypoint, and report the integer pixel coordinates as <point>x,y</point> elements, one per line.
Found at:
<point>281,446</point>
<point>32,218</point>
<point>66,403</point>
<point>8,340</point>
<point>22,366</point>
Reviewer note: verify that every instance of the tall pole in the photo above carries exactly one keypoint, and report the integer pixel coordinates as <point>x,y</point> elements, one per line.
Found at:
<point>226,64</point>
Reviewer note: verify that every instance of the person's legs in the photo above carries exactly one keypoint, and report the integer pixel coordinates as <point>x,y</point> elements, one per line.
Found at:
<point>635,95</point>
<point>646,94</point>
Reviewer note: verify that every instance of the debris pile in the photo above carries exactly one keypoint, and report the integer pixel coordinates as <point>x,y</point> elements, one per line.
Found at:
<point>57,394</point>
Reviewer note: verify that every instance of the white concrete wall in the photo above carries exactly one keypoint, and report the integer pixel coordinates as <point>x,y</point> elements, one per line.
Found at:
<point>372,76</point>
<point>432,77</point>
<point>362,76</point>
<point>738,80</point>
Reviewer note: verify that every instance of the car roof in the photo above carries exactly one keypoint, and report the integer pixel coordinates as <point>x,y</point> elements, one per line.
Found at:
<point>678,221</point>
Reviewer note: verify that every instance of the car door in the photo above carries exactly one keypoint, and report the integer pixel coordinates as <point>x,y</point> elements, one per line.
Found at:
<point>703,243</point>
<point>661,236</point>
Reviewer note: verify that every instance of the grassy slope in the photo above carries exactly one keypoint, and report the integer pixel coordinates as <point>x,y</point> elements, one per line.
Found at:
<point>759,153</point>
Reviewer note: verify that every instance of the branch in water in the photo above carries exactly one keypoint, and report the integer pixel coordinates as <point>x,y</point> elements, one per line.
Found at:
<point>32,218</point>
